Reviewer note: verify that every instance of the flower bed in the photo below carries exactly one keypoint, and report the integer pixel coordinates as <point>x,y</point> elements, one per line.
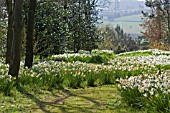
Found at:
<point>144,81</point>
<point>148,91</point>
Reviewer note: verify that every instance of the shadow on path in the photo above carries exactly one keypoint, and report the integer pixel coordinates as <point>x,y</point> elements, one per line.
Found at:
<point>42,104</point>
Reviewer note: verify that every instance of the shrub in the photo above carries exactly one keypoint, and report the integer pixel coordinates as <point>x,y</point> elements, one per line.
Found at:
<point>150,92</point>
<point>98,59</point>
<point>97,56</point>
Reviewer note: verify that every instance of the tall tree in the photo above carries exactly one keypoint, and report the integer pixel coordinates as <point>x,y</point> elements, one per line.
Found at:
<point>30,34</point>
<point>50,27</point>
<point>17,40</point>
<point>154,28</point>
<point>157,20</point>
<point>91,19</point>
<point>10,31</point>
<point>66,24</point>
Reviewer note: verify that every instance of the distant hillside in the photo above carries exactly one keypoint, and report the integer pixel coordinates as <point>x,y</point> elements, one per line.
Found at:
<point>120,8</point>
<point>130,24</point>
<point>132,18</point>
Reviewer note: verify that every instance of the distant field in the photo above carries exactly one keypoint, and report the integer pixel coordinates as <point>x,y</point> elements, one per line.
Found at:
<point>130,24</point>
<point>130,18</point>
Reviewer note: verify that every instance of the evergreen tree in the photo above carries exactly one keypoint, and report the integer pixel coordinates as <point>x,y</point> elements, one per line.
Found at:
<point>66,25</point>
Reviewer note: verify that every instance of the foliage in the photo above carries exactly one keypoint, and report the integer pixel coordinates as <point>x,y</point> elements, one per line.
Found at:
<point>2,7</point>
<point>75,74</point>
<point>136,53</point>
<point>149,91</point>
<point>154,28</point>
<point>143,79</point>
<point>60,28</point>
<point>3,28</point>
<point>49,28</point>
<point>6,81</point>
<point>96,56</point>
<point>142,42</point>
<point>132,97</point>
<point>157,22</point>
<point>159,45</point>
<point>98,59</point>
<point>148,52</point>
<point>115,39</point>
<point>3,31</point>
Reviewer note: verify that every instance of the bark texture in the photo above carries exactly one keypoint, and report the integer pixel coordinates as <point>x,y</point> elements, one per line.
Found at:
<point>30,34</point>
<point>17,40</point>
<point>9,32</point>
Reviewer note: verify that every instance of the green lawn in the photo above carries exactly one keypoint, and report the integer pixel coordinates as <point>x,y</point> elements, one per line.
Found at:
<point>102,99</point>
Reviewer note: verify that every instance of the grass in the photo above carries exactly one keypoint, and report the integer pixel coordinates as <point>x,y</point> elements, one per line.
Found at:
<point>130,18</point>
<point>136,54</point>
<point>103,99</point>
<point>130,24</point>
<point>44,88</point>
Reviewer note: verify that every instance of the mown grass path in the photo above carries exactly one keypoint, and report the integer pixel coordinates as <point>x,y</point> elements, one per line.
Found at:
<point>102,99</point>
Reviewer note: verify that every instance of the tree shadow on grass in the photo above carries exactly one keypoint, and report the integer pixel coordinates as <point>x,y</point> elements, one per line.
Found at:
<point>57,102</point>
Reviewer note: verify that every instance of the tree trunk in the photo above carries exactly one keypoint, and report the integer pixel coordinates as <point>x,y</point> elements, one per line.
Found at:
<point>9,32</point>
<point>65,4</point>
<point>79,25</point>
<point>168,26</point>
<point>30,34</point>
<point>17,40</point>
